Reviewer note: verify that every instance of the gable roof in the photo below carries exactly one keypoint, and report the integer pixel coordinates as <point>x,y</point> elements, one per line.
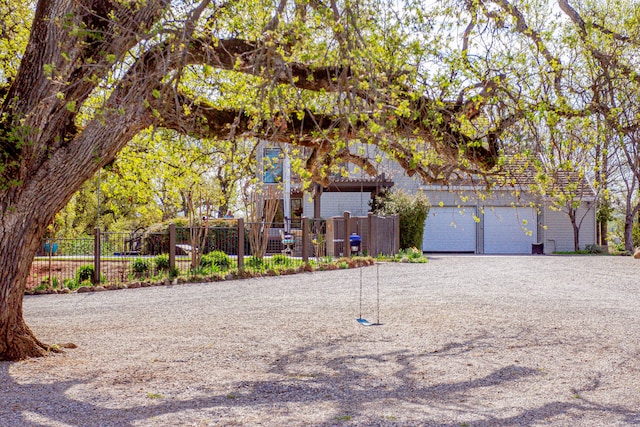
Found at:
<point>522,173</point>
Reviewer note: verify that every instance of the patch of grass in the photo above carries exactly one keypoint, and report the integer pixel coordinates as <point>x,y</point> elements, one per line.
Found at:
<point>410,255</point>
<point>303,376</point>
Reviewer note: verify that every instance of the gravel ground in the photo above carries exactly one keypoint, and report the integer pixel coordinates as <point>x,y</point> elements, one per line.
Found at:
<point>464,341</point>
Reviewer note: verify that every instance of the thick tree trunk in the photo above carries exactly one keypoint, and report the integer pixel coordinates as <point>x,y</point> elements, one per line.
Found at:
<point>18,243</point>
<point>25,212</point>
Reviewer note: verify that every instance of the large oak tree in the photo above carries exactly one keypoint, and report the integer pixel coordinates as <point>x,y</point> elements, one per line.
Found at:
<point>315,74</point>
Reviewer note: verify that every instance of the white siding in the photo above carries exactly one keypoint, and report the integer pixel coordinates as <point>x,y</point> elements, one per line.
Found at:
<point>558,235</point>
<point>335,203</point>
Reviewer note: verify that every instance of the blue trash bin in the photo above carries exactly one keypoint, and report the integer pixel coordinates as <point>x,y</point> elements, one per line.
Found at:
<point>355,241</point>
<point>54,248</point>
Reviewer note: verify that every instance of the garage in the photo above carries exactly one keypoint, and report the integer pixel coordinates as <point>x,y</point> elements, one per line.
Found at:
<point>509,230</point>
<point>450,229</point>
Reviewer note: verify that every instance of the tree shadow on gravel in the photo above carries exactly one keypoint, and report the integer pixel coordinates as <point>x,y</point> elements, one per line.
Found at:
<point>445,396</point>
<point>344,383</point>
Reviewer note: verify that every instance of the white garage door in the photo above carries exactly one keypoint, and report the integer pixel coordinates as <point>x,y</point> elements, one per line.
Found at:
<point>509,230</point>
<point>450,229</point>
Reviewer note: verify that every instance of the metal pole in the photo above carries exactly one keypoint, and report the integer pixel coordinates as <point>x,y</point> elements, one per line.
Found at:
<point>96,256</point>
<point>360,315</point>
<point>172,246</point>
<point>378,292</point>
<point>98,193</point>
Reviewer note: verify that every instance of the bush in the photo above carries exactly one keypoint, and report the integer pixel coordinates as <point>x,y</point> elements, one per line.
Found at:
<point>162,262</point>
<point>281,259</point>
<point>45,282</point>
<point>85,273</point>
<point>412,255</point>
<point>216,258</point>
<point>140,265</point>
<point>174,272</point>
<point>255,263</point>
<point>70,284</point>
<point>412,210</point>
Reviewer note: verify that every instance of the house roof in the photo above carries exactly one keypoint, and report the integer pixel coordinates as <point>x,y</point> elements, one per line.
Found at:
<point>521,174</point>
<point>355,185</point>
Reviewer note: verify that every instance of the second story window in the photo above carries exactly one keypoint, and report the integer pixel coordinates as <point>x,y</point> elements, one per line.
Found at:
<point>272,162</point>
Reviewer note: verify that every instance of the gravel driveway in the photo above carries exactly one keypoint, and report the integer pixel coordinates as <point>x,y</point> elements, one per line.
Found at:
<point>464,341</point>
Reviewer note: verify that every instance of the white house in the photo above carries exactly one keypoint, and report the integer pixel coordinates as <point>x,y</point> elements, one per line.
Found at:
<point>509,219</point>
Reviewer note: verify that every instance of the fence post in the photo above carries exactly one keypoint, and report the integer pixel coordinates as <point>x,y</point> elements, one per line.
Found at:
<point>172,246</point>
<point>240,244</point>
<point>96,257</point>
<point>305,239</point>
<point>347,234</point>
<point>329,237</point>
<point>396,232</point>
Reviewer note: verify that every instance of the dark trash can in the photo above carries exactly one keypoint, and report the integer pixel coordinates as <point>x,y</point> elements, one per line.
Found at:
<point>537,248</point>
<point>355,241</point>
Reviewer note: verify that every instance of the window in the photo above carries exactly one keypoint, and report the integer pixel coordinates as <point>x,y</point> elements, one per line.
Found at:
<point>272,163</point>
<point>296,213</point>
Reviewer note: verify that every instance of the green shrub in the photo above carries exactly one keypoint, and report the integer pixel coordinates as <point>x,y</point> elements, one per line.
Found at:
<point>162,262</point>
<point>281,259</point>
<point>174,272</point>
<point>412,210</point>
<point>140,265</point>
<point>255,263</point>
<point>414,253</point>
<point>70,284</point>
<point>216,258</point>
<point>85,273</point>
<point>45,282</point>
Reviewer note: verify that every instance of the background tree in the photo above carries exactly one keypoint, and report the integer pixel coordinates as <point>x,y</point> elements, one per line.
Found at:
<point>565,62</point>
<point>157,169</point>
